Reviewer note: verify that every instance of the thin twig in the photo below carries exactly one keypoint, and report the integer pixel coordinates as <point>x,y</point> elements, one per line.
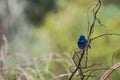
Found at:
<point>98,5</point>
<point>108,34</point>
<point>90,66</point>
<point>95,16</point>
<point>96,69</point>
<point>77,66</point>
<point>114,55</point>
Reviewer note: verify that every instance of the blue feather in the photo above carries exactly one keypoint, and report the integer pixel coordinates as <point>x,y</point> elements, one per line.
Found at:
<point>82,41</point>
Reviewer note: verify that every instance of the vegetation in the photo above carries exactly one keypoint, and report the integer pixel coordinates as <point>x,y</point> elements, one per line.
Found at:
<point>40,45</point>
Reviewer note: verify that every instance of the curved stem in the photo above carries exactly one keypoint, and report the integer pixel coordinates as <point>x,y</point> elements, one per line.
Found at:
<point>109,71</point>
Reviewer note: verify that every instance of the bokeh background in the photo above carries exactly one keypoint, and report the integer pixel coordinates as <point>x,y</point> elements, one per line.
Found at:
<point>37,37</point>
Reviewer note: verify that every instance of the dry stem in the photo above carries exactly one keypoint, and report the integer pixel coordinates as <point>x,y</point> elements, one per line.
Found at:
<point>110,71</point>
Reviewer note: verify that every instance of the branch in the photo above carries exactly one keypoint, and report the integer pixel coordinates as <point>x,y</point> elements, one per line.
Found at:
<point>95,11</point>
<point>109,34</point>
<point>71,76</point>
<point>78,67</point>
<point>109,71</point>
<point>95,17</point>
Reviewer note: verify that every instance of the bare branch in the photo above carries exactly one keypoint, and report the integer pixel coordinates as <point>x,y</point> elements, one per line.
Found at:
<point>78,66</point>
<point>108,34</point>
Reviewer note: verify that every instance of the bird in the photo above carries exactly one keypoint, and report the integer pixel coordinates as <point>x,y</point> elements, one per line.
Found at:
<point>82,41</point>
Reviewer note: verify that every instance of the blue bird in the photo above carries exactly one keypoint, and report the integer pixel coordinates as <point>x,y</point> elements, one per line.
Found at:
<point>82,41</point>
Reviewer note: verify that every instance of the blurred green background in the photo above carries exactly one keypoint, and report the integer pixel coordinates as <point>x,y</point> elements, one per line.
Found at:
<point>49,29</point>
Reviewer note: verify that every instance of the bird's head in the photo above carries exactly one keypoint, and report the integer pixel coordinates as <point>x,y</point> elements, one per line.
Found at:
<point>82,36</point>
